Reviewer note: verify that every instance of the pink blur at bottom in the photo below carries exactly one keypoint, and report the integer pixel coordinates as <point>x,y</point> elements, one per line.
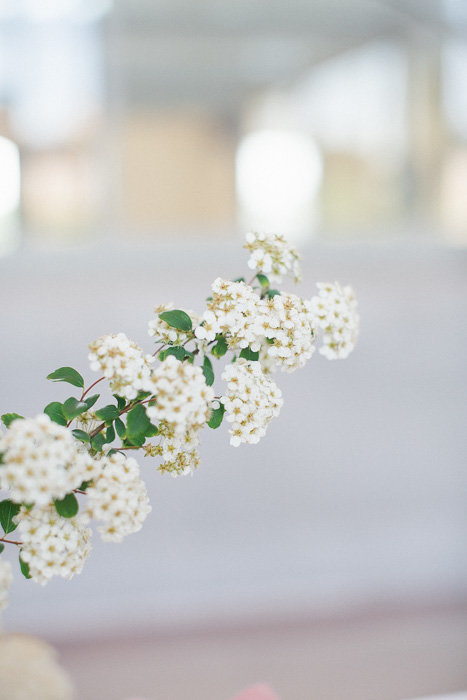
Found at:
<point>257,692</point>
<point>260,691</point>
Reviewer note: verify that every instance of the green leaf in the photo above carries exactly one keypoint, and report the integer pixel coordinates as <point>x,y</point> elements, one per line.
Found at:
<point>67,507</point>
<point>110,434</point>
<point>55,412</point>
<point>24,568</point>
<point>112,452</point>
<point>107,413</point>
<point>8,510</point>
<point>120,428</point>
<point>81,435</point>
<point>177,319</point>
<point>137,423</point>
<point>216,416</point>
<point>72,408</point>
<point>97,442</point>
<point>121,402</point>
<point>8,418</point>
<point>67,374</point>
<point>2,547</point>
<point>239,279</point>
<point>263,280</point>
<point>208,371</point>
<point>249,354</point>
<point>1,457</point>
<point>220,348</point>
<point>143,395</point>
<point>177,351</point>
<point>152,431</point>
<point>91,400</point>
<point>272,293</point>
<point>85,485</point>
<point>135,441</point>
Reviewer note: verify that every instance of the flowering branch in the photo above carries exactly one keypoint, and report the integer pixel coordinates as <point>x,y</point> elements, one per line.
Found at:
<point>159,408</point>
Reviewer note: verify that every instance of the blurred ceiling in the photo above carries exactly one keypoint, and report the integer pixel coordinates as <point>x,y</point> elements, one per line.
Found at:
<point>218,52</point>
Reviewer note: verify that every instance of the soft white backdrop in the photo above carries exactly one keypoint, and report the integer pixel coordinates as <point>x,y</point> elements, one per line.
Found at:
<point>356,497</point>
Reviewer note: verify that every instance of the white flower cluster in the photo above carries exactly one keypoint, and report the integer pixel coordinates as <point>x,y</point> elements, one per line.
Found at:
<point>288,326</point>
<point>122,362</point>
<point>273,256</point>
<point>178,451</point>
<point>335,309</point>
<point>181,395</point>
<point>161,331</point>
<point>52,545</point>
<point>233,310</point>
<point>6,578</point>
<point>41,461</point>
<point>281,328</point>
<point>252,400</point>
<point>118,498</point>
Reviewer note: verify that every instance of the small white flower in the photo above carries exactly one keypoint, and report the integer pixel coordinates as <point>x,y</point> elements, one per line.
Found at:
<point>289,333</point>
<point>41,461</point>
<point>178,451</point>
<point>272,255</point>
<point>251,401</point>
<point>181,395</point>
<point>335,311</point>
<point>234,311</point>
<point>122,362</point>
<point>162,332</point>
<point>118,498</point>
<point>52,545</point>
<point>6,579</point>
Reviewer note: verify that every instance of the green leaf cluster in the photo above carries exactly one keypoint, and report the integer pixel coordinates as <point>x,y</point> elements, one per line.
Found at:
<point>177,319</point>
<point>216,416</point>
<point>108,413</point>
<point>177,351</point>
<point>67,374</point>
<point>208,371</point>
<point>263,280</point>
<point>249,354</point>
<point>220,348</point>
<point>8,418</point>
<point>61,413</point>
<point>68,506</point>
<point>8,510</point>
<point>24,566</point>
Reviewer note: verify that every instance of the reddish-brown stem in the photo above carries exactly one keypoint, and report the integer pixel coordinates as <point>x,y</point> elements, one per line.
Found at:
<point>90,387</point>
<point>2,539</point>
<point>79,491</point>
<point>124,410</point>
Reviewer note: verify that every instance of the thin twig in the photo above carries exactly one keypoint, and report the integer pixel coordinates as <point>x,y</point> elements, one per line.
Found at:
<point>89,388</point>
<point>2,539</point>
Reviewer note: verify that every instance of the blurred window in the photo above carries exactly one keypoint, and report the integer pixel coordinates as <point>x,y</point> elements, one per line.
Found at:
<point>278,175</point>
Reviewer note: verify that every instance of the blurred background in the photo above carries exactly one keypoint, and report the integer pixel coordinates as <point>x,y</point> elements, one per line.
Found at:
<point>139,141</point>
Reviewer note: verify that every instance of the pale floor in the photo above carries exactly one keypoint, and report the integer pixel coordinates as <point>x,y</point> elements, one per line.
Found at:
<point>379,657</point>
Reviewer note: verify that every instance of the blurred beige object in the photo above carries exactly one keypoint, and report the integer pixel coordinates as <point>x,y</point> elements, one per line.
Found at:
<point>177,170</point>
<point>29,670</point>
